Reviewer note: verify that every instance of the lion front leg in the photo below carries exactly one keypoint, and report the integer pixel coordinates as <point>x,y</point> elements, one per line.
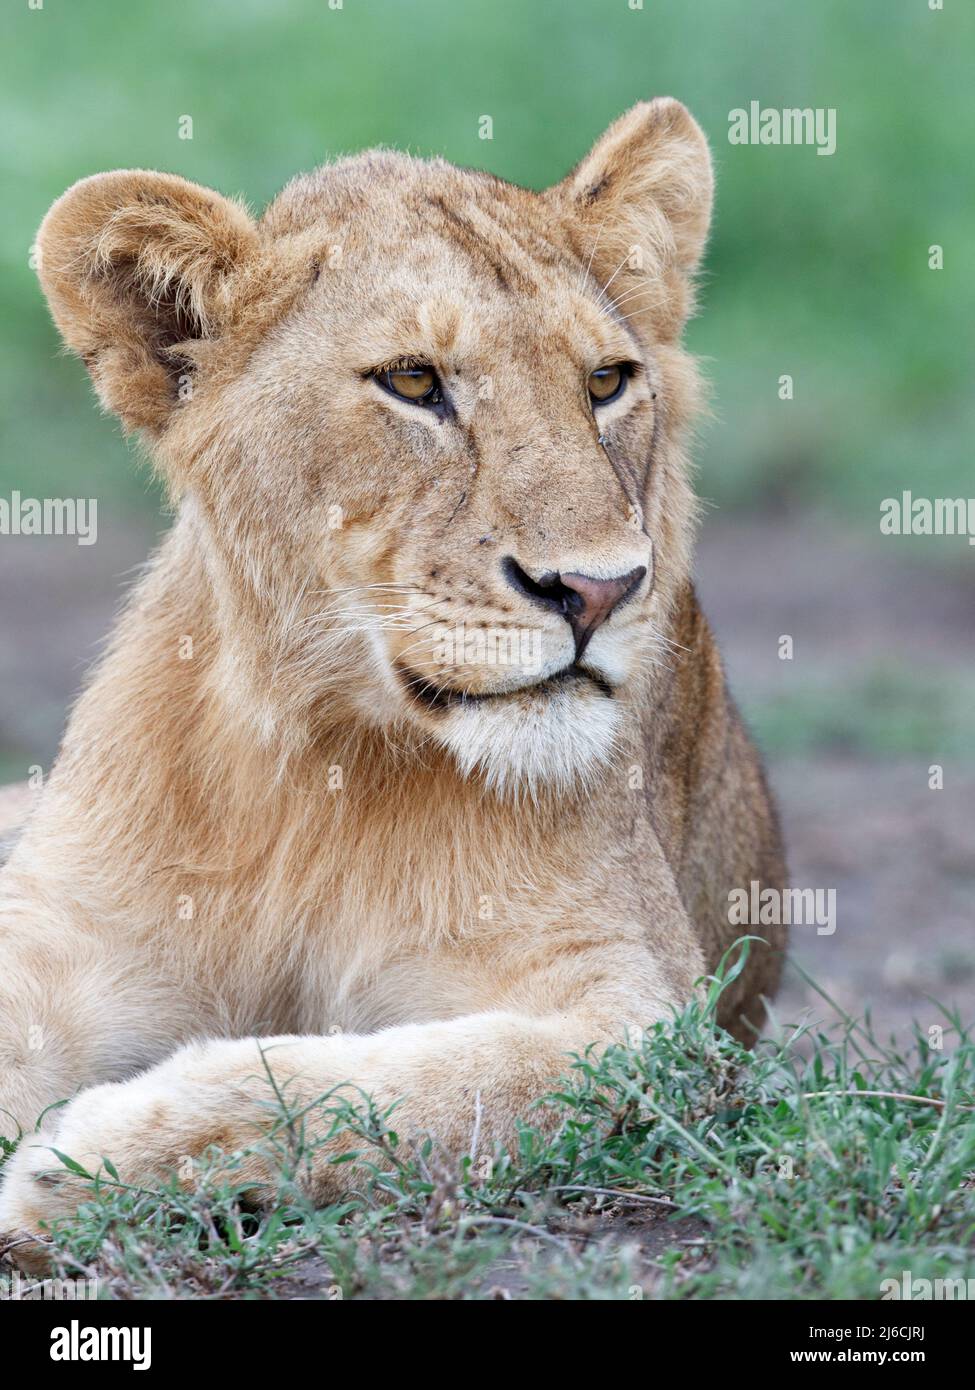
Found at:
<point>490,1065</point>
<point>76,1010</point>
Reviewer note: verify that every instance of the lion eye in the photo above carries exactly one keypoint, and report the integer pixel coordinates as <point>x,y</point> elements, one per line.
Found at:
<point>606,383</point>
<point>419,385</point>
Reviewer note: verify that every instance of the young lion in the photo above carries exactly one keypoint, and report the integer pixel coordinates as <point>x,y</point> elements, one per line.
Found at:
<point>412,754</point>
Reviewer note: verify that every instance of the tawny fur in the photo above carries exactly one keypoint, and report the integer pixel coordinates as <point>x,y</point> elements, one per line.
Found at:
<point>256,827</point>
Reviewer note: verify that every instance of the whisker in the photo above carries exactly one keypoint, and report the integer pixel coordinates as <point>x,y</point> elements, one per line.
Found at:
<point>662,637</point>
<point>404,585</point>
<point>413,645</point>
<point>396,612</point>
<point>632,294</point>
<point>599,232</point>
<point>616,272</point>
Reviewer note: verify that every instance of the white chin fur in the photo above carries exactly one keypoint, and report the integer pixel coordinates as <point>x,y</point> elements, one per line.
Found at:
<point>520,745</point>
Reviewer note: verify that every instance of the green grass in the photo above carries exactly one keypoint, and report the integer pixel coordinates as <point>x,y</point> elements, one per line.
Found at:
<point>815,1166</point>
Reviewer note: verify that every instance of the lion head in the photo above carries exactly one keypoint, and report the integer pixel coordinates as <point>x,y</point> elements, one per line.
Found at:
<point>423,428</point>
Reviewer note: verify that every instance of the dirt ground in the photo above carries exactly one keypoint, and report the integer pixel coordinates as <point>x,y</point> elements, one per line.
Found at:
<point>900,856</point>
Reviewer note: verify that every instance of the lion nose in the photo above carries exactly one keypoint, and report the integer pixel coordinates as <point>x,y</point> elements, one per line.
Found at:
<point>582,599</point>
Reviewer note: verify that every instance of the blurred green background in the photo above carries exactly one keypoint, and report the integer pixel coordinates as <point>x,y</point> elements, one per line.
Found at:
<point>818,266</point>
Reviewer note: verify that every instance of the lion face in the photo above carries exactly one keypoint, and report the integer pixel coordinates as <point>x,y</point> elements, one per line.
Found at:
<point>426,424</point>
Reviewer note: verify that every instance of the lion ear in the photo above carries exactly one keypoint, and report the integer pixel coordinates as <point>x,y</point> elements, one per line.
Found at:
<point>136,267</point>
<point>639,206</point>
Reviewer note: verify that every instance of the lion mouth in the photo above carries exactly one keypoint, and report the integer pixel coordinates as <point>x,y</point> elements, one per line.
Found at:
<point>442,697</point>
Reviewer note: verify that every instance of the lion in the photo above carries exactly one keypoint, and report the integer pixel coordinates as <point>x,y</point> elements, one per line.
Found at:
<point>411,766</point>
